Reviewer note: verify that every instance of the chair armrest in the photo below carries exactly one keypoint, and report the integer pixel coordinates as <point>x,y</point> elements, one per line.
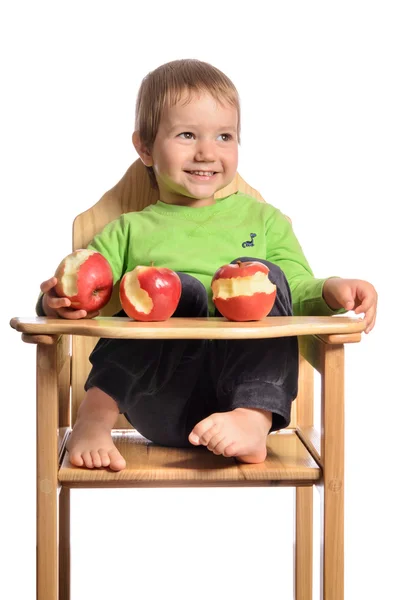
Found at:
<point>194,328</point>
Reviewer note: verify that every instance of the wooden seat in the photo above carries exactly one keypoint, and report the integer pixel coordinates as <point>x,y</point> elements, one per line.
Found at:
<point>298,457</point>
<point>148,465</point>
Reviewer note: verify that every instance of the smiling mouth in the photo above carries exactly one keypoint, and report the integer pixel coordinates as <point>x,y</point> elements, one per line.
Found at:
<point>202,173</point>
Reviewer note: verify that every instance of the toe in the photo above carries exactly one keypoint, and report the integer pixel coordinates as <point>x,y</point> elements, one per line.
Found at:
<point>215,440</point>
<point>208,435</point>
<point>76,459</point>
<point>104,456</point>
<point>199,433</point>
<point>86,456</point>
<point>96,459</point>
<point>194,439</point>
<point>117,462</point>
<point>230,450</point>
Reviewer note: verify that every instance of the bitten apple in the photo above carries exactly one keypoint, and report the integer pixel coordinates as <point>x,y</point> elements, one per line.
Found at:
<point>86,278</point>
<point>150,293</point>
<point>243,291</point>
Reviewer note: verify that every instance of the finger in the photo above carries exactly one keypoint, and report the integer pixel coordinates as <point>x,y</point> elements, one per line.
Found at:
<point>56,303</point>
<point>47,285</point>
<point>67,313</point>
<point>370,319</point>
<point>364,306</point>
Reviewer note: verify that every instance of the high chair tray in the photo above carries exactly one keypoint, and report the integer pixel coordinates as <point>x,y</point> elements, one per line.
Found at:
<point>194,328</point>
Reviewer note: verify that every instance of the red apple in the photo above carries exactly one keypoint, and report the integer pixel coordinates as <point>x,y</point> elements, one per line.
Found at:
<point>86,278</point>
<point>150,293</point>
<point>243,291</point>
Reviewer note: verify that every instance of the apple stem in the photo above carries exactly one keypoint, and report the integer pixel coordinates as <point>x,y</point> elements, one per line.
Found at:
<point>239,262</point>
<point>152,263</point>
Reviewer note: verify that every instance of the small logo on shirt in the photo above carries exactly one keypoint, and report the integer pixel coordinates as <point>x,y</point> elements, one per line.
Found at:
<point>250,243</point>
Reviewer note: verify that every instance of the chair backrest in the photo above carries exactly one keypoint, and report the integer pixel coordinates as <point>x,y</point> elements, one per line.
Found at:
<point>132,193</point>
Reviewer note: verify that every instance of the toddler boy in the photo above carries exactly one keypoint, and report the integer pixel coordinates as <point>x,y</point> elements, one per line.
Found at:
<point>226,395</point>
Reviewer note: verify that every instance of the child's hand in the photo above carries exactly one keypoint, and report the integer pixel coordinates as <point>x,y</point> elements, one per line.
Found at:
<point>352,294</point>
<point>54,306</point>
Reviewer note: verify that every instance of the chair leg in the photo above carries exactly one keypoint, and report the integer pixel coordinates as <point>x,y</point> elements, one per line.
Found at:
<point>332,487</point>
<point>64,544</point>
<point>332,546</point>
<point>47,473</point>
<point>303,582</point>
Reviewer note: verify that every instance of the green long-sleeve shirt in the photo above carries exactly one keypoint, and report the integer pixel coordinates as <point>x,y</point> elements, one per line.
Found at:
<point>197,241</point>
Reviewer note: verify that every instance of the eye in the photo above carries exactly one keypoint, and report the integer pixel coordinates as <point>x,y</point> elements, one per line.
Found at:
<point>225,137</point>
<point>186,135</point>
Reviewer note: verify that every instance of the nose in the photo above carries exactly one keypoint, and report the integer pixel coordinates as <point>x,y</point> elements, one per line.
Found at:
<point>205,151</point>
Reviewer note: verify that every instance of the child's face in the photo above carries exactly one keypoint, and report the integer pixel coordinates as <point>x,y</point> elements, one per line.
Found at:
<point>195,151</point>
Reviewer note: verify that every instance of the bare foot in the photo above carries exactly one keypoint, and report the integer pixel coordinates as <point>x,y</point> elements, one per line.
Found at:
<point>241,433</point>
<point>90,443</point>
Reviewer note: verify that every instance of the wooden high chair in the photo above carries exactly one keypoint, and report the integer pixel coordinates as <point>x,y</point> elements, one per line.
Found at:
<point>298,456</point>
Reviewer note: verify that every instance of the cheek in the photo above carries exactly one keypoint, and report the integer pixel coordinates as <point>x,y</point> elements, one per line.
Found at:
<point>232,158</point>
<point>172,157</point>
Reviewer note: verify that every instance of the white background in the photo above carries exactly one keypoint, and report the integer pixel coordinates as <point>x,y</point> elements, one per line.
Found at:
<point>318,92</point>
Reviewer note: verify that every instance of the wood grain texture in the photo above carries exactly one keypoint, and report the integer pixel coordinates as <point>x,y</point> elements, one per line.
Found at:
<point>304,400</point>
<point>38,339</point>
<point>332,484</point>
<point>311,438</point>
<point>288,462</point>
<point>340,338</point>
<point>47,472</point>
<point>303,549</point>
<point>63,370</point>
<point>64,543</point>
<point>194,328</point>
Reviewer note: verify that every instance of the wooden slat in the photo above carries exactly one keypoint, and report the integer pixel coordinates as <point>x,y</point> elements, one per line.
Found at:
<point>303,548</point>
<point>47,468</point>
<point>311,438</point>
<point>81,349</point>
<point>38,339</point>
<point>195,328</point>
<point>148,465</point>
<point>303,580</point>
<point>64,543</point>
<point>340,338</point>
<point>63,369</point>
<point>332,484</point>
<point>304,400</point>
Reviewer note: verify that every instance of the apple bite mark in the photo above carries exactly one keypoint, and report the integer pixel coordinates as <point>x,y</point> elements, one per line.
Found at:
<point>86,278</point>
<point>243,286</point>
<point>71,268</point>
<point>139,298</point>
<point>242,291</point>
<point>150,293</point>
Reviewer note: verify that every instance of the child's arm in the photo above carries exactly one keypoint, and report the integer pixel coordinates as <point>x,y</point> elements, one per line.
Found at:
<point>284,250</point>
<point>352,294</point>
<point>312,296</point>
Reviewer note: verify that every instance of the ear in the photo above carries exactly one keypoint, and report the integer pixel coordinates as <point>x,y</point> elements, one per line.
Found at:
<point>143,152</point>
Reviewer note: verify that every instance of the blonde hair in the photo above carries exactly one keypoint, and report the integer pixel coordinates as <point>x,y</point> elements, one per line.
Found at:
<point>167,83</point>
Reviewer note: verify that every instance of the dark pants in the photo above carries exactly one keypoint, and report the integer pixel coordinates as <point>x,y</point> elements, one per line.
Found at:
<point>165,387</point>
